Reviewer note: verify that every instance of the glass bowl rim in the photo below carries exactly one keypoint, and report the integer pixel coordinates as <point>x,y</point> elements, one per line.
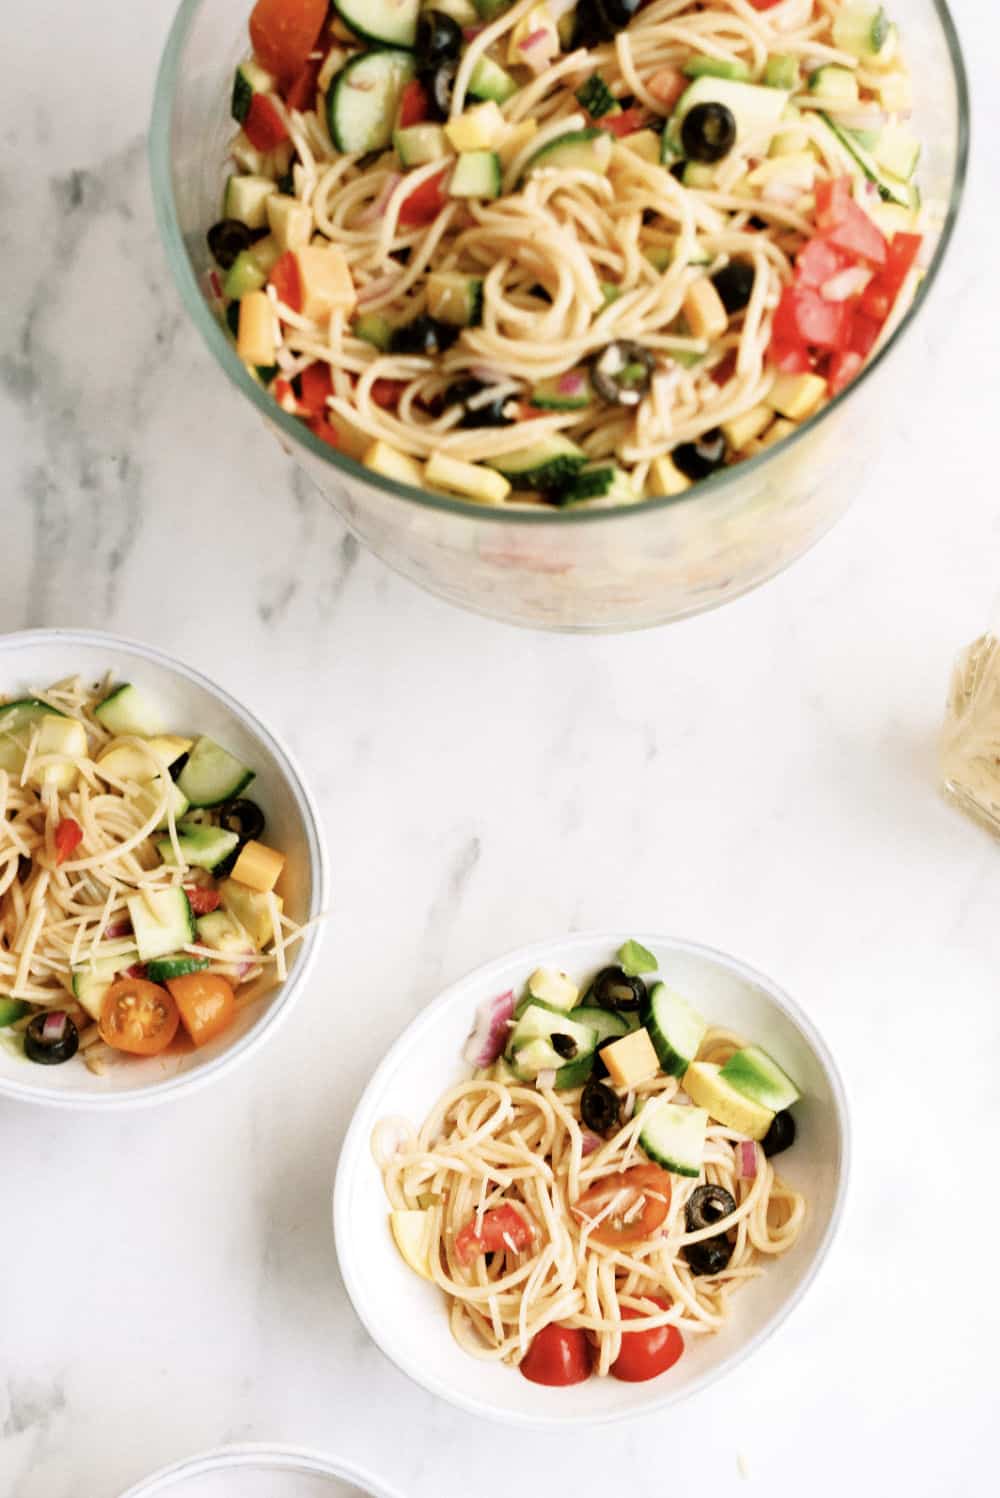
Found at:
<point>299,434</point>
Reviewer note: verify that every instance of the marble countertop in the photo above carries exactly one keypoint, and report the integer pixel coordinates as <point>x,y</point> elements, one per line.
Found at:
<point>761,779</point>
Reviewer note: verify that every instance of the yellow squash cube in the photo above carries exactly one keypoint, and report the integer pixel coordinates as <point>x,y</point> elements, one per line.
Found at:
<point>470,480</point>
<point>741,430</point>
<point>703,310</point>
<point>382,458</point>
<point>63,736</point>
<point>477,128</point>
<point>255,341</point>
<point>796,396</point>
<point>666,478</point>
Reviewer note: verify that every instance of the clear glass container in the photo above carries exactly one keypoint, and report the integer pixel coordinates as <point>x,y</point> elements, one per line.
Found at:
<point>596,570</point>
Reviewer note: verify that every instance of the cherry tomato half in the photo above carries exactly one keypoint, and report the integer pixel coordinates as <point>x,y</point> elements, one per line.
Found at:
<point>206,1003</point>
<point>138,1017</point>
<point>644,1193</point>
<point>647,1354</point>
<point>558,1356</point>
<point>284,32</point>
<point>503,1227</point>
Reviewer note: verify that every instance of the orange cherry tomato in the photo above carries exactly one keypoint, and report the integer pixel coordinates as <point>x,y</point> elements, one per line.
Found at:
<point>284,32</point>
<point>138,1017</point>
<point>206,1002</point>
<point>643,1201</point>
<point>647,1354</point>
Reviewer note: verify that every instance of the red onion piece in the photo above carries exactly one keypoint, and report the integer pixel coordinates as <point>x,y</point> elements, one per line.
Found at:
<point>378,287</point>
<point>748,1159</point>
<point>545,1079</point>
<point>489,1034</point>
<point>54,1027</point>
<point>846,284</point>
<point>376,209</point>
<point>471,32</point>
<point>121,927</point>
<point>591,1142</point>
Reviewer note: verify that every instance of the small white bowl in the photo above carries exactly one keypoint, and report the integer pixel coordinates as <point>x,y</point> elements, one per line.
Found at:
<point>189,701</point>
<point>260,1472</point>
<point>406,1316</point>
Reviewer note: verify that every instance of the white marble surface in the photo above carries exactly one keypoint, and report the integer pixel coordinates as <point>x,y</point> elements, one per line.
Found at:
<point>761,779</point>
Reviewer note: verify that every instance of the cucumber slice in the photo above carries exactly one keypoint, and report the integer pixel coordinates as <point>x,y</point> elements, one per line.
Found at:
<point>608,1025</point>
<point>674,1136</point>
<point>165,927</point>
<point>578,150</point>
<point>17,719</point>
<point>176,966</point>
<point>753,1073</point>
<point>490,81</point>
<point>416,145</point>
<point>201,845</point>
<point>675,1028</point>
<point>754,106</point>
<point>212,775</point>
<point>12,1010</point>
<point>547,396</point>
<point>602,482</point>
<point>92,980</point>
<point>246,199</point>
<point>391,23</point>
<point>177,802</point>
<point>250,79</point>
<point>477,174</point>
<point>363,99</point>
<point>715,67</point>
<point>897,152</point>
<point>548,463</point>
<point>126,710</point>
<point>530,1049</point>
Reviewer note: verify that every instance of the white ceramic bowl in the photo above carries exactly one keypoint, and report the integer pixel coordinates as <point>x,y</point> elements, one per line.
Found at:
<point>260,1472</point>
<point>189,701</point>
<point>406,1315</point>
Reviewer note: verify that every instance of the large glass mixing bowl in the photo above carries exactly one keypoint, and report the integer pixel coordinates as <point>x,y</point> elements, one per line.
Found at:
<point>588,569</point>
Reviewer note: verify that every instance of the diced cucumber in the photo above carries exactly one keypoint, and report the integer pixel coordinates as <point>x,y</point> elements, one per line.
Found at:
<point>490,81</point>
<point>266,253</point>
<point>716,67</point>
<point>17,719</point>
<point>531,1051</point>
<point>251,909</point>
<point>548,396</point>
<point>755,107</point>
<point>674,1136</point>
<point>219,931</point>
<point>596,98</point>
<point>455,299</point>
<point>242,277</point>
<point>165,927</point>
<point>863,30</point>
<point>839,85</point>
<point>860,163</point>
<point>373,328</point>
<point>782,71</point>
<point>896,151</point>
<point>416,145</point>
<point>91,980</point>
<point>675,1028</point>
<point>603,481</point>
<point>11,1010</point>
<point>578,150</point>
<point>126,710</point>
<point>753,1073</point>
<point>608,1025</point>
<point>177,966</point>
<point>391,23</point>
<point>477,174</point>
<point>363,99</point>
<point>250,78</point>
<point>548,463</point>
<point>177,802</point>
<point>202,846</point>
<point>246,199</point>
<point>212,775</point>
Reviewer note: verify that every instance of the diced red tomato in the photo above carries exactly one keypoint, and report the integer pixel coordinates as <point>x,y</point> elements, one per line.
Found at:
<point>789,358</point>
<point>558,1356</point>
<point>386,393</point>
<point>816,262</point>
<point>263,125</point>
<point>804,318</point>
<point>843,367</point>
<point>316,384</point>
<point>202,899</point>
<point>285,396</point>
<point>414,105</point>
<point>625,123</point>
<point>424,204</point>
<point>68,837</point>
<point>881,293</point>
<point>864,333</point>
<point>859,238</point>
<point>321,428</point>
<point>832,201</point>
<point>501,1228</point>
<point>764,4</point>
<point>646,1355</point>
<point>286,279</point>
<point>301,93</point>
<point>666,86</point>
<point>725,369</point>
<point>284,32</point>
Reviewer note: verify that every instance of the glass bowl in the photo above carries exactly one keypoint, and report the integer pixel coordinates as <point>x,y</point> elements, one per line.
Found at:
<point>596,570</point>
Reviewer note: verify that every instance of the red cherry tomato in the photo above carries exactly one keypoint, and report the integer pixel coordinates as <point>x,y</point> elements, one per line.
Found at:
<point>625,123</point>
<point>201,899</point>
<point>558,1356</point>
<point>503,1227</point>
<point>284,32</point>
<point>647,1354</point>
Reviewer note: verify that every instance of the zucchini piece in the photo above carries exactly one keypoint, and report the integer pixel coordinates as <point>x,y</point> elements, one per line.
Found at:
<point>91,980</point>
<point>126,710</point>
<point>548,395</point>
<point>164,928</point>
<point>251,909</point>
<point>782,71</point>
<point>596,98</point>
<point>551,987</point>
<point>219,931</point>
<point>416,145</point>
<point>716,67</point>
<point>578,150</point>
<point>608,1025</point>
<point>11,1010</point>
<point>757,1076</point>
<point>246,198</point>
<point>674,1136</point>
<point>212,775</point>
<point>865,31</point>
<point>388,23</point>
<point>250,78</point>
<point>242,277</point>
<point>477,174</point>
<point>363,99</point>
<point>455,299</point>
<point>490,81</point>
<point>471,480</point>
<point>549,463</point>
<point>862,164</point>
<point>17,719</point>
<point>706,1086</point>
<point>202,846</point>
<point>675,1028</point>
<point>834,83</point>
<point>602,481</point>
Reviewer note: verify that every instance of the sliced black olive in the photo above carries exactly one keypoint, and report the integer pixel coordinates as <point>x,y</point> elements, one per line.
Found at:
<point>734,283</point>
<point>439,38</point>
<point>696,460</point>
<point>780,1135</point>
<point>706,1206</point>
<point>500,412</point>
<point>424,335</point>
<point>614,989</point>
<point>233,324</point>
<point>600,1108</point>
<point>708,132</point>
<point>440,85</point>
<point>243,817</point>
<point>227,239</point>
<point>600,20</point>
<point>622,372</point>
<point>710,1256</point>
<point>59,1044</point>
<point>565,1046</point>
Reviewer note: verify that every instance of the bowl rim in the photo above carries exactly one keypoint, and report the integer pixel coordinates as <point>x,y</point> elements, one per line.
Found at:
<point>259,1454</point>
<point>298,434</point>
<point>266,1025</point>
<point>355,1149</point>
